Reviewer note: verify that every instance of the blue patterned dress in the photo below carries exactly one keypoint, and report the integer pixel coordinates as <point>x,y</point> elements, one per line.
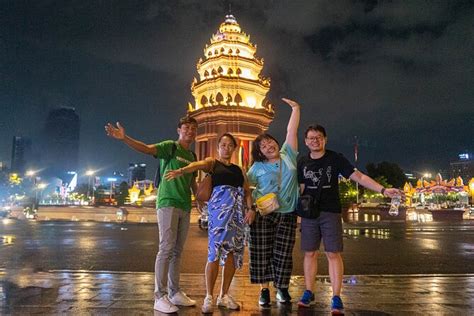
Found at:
<point>226,220</point>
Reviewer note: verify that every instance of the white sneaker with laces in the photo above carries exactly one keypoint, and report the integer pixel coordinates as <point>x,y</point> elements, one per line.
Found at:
<point>180,298</point>
<point>164,305</point>
<point>207,307</point>
<point>228,302</point>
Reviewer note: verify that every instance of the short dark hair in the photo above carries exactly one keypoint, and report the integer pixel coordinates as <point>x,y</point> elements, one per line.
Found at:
<point>256,153</point>
<point>187,120</point>
<point>232,138</point>
<point>316,128</point>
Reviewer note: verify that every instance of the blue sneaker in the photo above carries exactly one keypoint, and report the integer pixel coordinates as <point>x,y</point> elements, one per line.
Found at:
<point>337,308</point>
<point>307,299</point>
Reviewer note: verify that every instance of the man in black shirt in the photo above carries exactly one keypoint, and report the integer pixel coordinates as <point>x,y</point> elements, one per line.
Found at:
<point>318,174</point>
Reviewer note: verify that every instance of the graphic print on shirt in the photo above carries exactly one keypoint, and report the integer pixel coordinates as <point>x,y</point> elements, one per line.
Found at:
<point>316,176</point>
<point>328,174</point>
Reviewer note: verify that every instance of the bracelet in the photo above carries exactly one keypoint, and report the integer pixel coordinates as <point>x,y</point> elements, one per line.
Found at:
<point>382,191</point>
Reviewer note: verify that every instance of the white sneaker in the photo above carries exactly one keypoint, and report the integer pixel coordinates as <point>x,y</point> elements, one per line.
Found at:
<point>164,305</point>
<point>228,302</point>
<point>180,298</point>
<point>207,307</point>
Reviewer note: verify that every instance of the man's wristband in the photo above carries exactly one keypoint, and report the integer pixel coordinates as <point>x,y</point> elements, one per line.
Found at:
<point>382,191</point>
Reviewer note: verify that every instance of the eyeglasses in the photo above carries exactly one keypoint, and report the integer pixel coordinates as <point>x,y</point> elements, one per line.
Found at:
<point>312,139</point>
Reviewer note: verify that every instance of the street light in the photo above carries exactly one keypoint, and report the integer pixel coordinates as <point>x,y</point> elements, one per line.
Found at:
<point>89,173</point>
<point>30,173</point>
<point>40,186</point>
<point>112,187</point>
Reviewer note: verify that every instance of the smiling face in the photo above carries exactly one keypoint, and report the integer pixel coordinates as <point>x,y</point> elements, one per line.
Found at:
<point>315,141</point>
<point>225,148</point>
<point>187,132</point>
<point>270,149</point>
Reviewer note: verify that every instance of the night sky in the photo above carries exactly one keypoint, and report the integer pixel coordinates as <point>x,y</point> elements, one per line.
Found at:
<point>396,74</point>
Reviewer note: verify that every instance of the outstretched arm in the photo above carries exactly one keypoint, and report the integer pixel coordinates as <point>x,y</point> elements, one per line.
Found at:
<point>293,123</point>
<point>118,132</point>
<point>204,165</point>
<point>373,185</point>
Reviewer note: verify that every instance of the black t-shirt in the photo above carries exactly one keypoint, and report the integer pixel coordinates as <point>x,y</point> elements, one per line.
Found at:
<point>324,171</point>
<point>227,175</point>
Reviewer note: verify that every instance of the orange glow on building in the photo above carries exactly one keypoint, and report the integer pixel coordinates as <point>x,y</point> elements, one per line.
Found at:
<point>230,93</point>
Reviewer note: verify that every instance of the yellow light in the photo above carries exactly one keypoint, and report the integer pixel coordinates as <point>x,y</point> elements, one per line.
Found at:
<point>42,185</point>
<point>251,101</point>
<point>246,73</point>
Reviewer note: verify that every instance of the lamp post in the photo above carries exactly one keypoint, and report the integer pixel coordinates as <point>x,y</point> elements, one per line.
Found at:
<point>40,186</point>
<point>31,174</point>
<point>112,188</point>
<point>89,173</point>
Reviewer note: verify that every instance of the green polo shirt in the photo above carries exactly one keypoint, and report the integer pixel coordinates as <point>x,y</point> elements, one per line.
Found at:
<point>176,192</point>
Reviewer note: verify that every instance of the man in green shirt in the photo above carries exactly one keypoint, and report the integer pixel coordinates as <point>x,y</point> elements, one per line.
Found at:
<point>173,209</point>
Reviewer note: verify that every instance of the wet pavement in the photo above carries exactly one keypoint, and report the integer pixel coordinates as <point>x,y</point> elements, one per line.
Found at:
<point>131,293</point>
<point>93,268</point>
<point>369,248</point>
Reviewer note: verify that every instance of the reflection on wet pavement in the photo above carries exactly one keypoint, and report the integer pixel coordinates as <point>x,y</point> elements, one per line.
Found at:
<point>376,233</point>
<point>109,293</point>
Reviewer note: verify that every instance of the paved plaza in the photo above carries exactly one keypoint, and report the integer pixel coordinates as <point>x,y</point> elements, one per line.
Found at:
<point>112,293</point>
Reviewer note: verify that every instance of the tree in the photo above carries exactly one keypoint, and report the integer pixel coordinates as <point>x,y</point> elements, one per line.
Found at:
<point>82,189</point>
<point>390,171</point>
<point>347,192</point>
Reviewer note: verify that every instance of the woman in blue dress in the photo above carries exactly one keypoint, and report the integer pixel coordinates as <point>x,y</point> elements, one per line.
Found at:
<point>226,219</point>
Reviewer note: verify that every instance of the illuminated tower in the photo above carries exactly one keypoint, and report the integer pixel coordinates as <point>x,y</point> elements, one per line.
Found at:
<point>230,94</point>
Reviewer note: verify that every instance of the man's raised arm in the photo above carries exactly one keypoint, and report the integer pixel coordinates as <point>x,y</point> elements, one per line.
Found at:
<point>118,132</point>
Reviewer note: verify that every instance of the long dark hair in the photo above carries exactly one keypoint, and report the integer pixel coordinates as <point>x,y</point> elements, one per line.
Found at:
<point>256,153</point>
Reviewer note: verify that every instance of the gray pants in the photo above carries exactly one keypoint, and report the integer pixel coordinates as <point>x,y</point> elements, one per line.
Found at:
<point>173,225</point>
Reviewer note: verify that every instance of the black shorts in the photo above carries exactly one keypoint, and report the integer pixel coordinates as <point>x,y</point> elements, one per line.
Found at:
<point>328,227</point>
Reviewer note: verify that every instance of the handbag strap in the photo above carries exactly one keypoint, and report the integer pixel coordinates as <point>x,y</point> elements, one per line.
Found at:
<point>279,175</point>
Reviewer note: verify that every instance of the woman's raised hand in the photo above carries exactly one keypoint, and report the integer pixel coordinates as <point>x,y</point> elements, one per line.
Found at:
<point>291,102</point>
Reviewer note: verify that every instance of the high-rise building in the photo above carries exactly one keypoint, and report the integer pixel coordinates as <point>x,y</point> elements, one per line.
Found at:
<point>230,93</point>
<point>463,167</point>
<point>136,172</point>
<point>21,153</point>
<point>60,151</point>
